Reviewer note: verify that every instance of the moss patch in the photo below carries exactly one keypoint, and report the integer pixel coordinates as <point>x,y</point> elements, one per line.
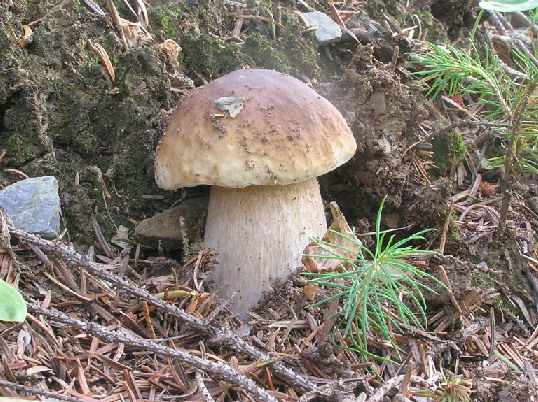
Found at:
<point>213,52</point>
<point>448,150</point>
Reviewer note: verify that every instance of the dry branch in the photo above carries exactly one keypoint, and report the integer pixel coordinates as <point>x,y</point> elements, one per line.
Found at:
<point>394,382</point>
<point>37,391</point>
<point>216,370</point>
<point>216,335</point>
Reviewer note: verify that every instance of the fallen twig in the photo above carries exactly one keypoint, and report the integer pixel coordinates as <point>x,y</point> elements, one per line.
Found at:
<point>448,219</point>
<point>202,388</point>
<point>95,8</point>
<point>37,391</point>
<point>117,21</point>
<point>216,370</point>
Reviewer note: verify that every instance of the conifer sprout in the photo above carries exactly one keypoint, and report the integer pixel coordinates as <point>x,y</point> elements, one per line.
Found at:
<point>260,138</point>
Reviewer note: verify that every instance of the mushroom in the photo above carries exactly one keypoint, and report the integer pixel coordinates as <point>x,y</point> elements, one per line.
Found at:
<point>260,138</point>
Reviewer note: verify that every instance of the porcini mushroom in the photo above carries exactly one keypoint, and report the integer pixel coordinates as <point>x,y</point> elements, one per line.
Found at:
<point>260,138</point>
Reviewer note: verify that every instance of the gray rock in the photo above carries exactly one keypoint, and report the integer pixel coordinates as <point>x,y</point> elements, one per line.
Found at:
<point>34,205</point>
<point>327,30</point>
<point>171,226</point>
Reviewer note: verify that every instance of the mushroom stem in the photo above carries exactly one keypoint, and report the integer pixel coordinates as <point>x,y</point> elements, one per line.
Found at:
<point>259,233</point>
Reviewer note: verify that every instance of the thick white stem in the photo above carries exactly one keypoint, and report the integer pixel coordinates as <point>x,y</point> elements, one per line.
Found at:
<point>259,233</point>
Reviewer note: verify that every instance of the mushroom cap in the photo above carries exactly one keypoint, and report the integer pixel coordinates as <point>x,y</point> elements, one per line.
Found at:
<point>252,127</point>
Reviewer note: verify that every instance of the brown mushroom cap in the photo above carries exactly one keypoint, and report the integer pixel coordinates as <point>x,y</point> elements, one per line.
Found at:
<point>252,127</point>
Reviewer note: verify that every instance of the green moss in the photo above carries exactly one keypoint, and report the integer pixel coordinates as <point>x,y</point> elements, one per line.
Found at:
<point>208,52</point>
<point>448,150</point>
<point>453,231</point>
<point>498,276</point>
<point>166,16</point>
<point>379,9</point>
<point>211,56</point>
<point>20,150</point>
<point>484,281</point>
<point>428,28</point>
<point>86,143</point>
<point>167,25</point>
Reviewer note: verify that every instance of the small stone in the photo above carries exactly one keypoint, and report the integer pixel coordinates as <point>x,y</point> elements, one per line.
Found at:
<point>169,227</point>
<point>34,205</point>
<point>121,238</point>
<point>327,30</point>
<point>378,103</point>
<point>231,104</point>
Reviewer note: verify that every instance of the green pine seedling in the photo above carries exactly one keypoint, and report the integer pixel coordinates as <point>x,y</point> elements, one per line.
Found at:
<point>510,102</point>
<point>380,290</point>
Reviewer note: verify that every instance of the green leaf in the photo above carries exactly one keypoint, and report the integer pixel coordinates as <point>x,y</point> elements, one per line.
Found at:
<point>12,305</point>
<point>509,6</point>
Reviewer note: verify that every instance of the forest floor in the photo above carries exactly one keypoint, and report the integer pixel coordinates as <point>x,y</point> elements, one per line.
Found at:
<point>112,319</point>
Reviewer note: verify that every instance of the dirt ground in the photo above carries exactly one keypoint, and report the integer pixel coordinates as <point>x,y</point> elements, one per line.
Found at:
<point>86,89</point>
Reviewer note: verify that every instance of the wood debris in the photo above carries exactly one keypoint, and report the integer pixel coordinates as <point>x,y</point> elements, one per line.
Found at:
<point>101,53</point>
